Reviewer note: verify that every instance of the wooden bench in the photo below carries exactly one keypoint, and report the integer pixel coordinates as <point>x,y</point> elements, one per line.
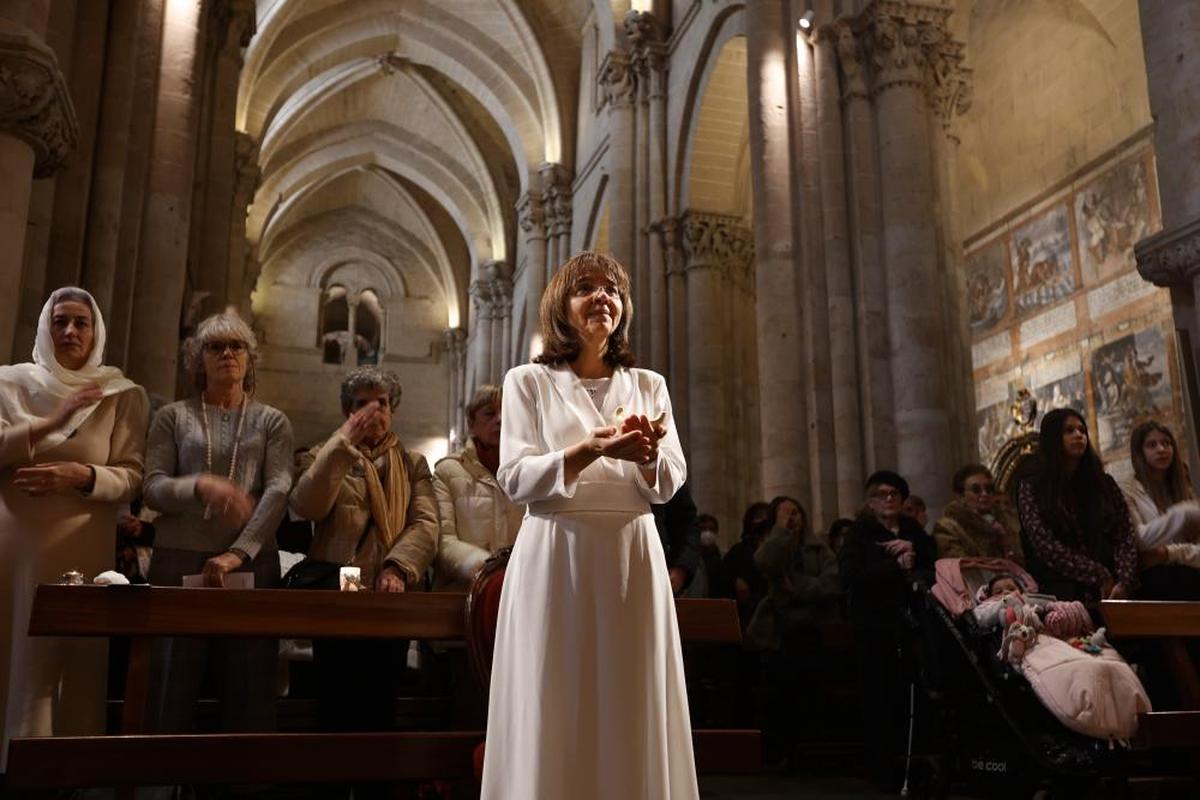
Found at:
<point>1174,622</point>
<point>143,613</point>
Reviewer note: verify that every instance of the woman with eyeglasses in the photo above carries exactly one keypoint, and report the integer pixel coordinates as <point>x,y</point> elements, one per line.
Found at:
<point>218,470</point>
<point>72,440</point>
<point>978,522</point>
<point>1082,542</point>
<point>884,550</point>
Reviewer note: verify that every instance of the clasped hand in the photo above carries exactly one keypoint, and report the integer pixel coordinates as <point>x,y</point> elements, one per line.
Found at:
<point>636,440</point>
<point>902,550</point>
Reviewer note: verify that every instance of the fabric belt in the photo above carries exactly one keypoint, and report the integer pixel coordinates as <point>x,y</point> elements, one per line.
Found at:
<point>617,497</point>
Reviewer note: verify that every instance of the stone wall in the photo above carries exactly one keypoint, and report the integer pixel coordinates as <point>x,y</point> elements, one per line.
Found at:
<point>1056,306</point>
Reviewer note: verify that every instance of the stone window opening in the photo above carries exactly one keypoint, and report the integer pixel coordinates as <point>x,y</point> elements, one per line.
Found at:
<point>334,324</point>
<point>368,325</point>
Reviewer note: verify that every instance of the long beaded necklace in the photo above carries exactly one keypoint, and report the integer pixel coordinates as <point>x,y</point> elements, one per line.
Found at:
<point>208,450</point>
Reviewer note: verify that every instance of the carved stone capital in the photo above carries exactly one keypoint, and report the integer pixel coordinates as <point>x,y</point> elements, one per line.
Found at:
<point>648,55</point>
<point>456,341</point>
<point>247,173</point>
<point>556,197</point>
<point>898,43</point>
<point>531,216</point>
<point>717,241</point>
<point>35,105</point>
<point>1172,257</point>
<point>618,80</point>
<point>236,22</point>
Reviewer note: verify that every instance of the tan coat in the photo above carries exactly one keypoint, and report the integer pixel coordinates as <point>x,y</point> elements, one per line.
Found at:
<point>332,492</point>
<point>476,515</point>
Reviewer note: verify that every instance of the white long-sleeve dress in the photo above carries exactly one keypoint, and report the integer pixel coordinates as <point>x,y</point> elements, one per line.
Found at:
<point>587,695</point>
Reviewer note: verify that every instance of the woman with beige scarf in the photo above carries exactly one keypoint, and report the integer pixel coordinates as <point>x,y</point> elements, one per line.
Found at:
<point>373,507</point>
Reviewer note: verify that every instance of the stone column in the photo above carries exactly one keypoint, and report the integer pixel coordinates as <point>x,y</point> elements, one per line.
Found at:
<point>531,217</point>
<point>866,262</point>
<point>714,245</point>
<point>647,35</point>
<point>162,262</point>
<point>847,424</point>
<point>770,35</point>
<point>901,37</point>
<point>619,83</point>
<point>499,288</point>
<point>481,296</point>
<point>242,266</point>
<point>556,206</point>
<point>38,132</point>
<point>668,232</point>
<point>455,414</point>
<point>112,145</point>
<point>1171,38</point>
<point>85,81</point>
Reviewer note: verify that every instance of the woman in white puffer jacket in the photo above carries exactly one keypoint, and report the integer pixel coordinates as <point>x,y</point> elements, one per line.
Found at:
<point>477,518</point>
<point>1160,499</point>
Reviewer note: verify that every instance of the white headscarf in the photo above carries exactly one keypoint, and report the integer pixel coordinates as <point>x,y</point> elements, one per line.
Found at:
<point>30,392</point>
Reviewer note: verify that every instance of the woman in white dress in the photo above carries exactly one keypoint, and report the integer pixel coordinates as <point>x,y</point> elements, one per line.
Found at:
<point>72,442</point>
<point>587,696</point>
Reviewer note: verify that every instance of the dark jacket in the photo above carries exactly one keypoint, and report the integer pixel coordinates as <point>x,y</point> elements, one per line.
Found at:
<point>676,523</point>
<point>802,585</point>
<point>872,576</point>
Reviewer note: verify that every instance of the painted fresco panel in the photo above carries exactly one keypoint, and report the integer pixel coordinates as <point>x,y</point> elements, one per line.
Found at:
<point>1130,382</point>
<point>987,287</point>
<point>1111,214</point>
<point>1043,270</point>
<point>995,427</point>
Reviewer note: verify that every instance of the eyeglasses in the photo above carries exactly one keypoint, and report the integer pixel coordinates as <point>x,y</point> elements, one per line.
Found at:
<point>982,489</point>
<point>361,402</point>
<point>218,348</point>
<point>885,494</point>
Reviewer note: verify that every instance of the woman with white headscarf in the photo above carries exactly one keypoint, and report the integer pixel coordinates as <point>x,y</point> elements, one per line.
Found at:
<point>72,441</point>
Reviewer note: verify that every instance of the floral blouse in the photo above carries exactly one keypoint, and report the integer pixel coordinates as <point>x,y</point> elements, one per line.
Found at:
<point>1066,552</point>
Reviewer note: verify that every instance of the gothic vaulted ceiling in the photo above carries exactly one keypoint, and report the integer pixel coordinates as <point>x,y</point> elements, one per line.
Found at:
<point>400,133</point>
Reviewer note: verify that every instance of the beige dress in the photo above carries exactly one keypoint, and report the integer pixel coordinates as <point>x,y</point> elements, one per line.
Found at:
<point>57,686</point>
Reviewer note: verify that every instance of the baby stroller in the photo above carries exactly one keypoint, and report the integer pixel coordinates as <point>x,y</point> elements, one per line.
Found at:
<point>991,733</point>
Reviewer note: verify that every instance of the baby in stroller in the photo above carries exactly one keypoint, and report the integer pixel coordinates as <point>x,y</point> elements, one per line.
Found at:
<point>1081,680</point>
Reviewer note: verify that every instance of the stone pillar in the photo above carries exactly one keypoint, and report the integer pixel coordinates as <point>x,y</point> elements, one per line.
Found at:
<point>770,35</point>
<point>481,295</point>
<point>229,159</point>
<point>38,132</point>
<point>112,145</point>
<point>242,267</point>
<point>866,257</point>
<point>675,277</point>
<point>715,245</point>
<point>556,206</point>
<point>499,287</point>
<point>901,37</point>
<point>847,424</point>
<point>162,262</point>
<point>1171,38</point>
<point>85,81</point>
<point>139,152</point>
<point>647,35</point>
<point>619,83</point>
<point>455,339</point>
<point>531,217</point>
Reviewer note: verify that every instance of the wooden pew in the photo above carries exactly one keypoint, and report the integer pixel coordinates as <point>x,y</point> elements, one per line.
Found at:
<point>143,613</point>
<point>1174,622</point>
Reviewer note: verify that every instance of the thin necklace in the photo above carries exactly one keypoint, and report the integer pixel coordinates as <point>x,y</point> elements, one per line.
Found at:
<point>208,449</point>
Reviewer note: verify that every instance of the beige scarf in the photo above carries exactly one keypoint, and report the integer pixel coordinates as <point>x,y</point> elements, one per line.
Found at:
<point>388,506</point>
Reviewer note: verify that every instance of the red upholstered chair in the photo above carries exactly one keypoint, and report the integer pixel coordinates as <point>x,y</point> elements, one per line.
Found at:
<point>482,611</point>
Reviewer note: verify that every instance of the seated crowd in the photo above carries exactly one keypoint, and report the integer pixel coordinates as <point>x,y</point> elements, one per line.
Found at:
<point>219,477</point>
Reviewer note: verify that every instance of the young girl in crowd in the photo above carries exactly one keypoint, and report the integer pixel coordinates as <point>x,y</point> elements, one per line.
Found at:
<point>1160,498</point>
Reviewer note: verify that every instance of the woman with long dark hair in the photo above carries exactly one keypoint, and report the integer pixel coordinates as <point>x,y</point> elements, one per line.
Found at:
<point>1082,543</point>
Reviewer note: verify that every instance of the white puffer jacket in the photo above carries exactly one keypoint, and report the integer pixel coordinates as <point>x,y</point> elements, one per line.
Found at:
<point>477,518</point>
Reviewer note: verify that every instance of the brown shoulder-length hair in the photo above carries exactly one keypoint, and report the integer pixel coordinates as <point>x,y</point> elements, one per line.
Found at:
<point>1174,487</point>
<point>560,342</point>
